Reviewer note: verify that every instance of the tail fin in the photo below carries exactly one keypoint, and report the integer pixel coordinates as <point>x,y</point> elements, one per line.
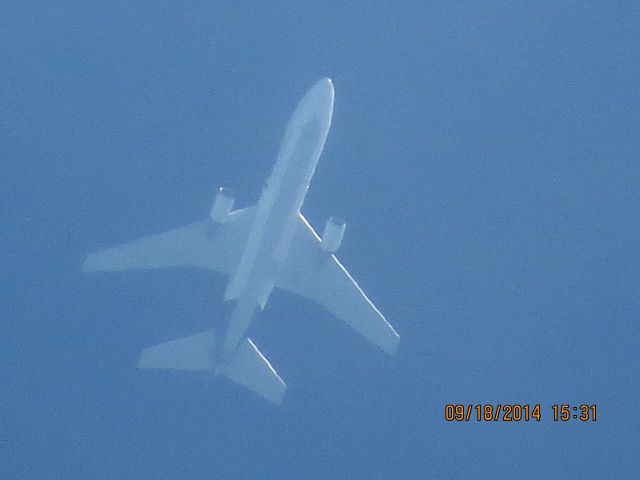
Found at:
<point>247,367</point>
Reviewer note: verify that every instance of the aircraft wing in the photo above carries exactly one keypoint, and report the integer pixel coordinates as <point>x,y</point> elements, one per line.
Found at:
<point>316,274</point>
<point>202,244</point>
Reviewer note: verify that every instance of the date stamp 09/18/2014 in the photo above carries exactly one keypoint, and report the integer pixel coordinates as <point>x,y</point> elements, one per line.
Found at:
<point>517,412</point>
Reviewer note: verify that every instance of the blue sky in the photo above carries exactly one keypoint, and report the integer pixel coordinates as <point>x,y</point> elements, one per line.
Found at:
<point>484,155</point>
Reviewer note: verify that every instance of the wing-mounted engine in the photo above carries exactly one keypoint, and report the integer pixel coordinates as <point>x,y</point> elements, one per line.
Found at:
<point>332,235</point>
<point>222,205</point>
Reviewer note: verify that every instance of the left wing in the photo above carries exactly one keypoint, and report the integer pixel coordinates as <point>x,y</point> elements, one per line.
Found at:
<point>310,271</point>
<point>203,244</point>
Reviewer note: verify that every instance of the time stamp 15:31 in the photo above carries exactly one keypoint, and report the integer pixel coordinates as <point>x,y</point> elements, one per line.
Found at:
<point>517,412</point>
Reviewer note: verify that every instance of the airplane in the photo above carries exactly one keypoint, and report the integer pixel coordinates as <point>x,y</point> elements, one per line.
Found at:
<point>262,247</point>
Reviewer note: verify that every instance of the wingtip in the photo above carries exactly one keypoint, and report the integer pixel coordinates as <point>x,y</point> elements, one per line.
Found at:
<point>90,264</point>
<point>142,362</point>
<point>279,398</point>
<point>86,265</point>
<point>392,347</point>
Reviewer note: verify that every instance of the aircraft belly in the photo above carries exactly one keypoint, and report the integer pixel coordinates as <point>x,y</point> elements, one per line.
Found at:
<point>278,208</point>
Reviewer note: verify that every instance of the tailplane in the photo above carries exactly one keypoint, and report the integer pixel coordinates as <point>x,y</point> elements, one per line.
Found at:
<point>247,366</point>
<point>251,369</point>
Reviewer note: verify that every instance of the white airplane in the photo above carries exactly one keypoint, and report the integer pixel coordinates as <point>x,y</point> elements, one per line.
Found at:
<point>261,247</point>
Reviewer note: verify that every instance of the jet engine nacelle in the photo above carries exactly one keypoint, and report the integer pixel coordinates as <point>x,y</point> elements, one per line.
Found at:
<point>332,235</point>
<point>222,205</point>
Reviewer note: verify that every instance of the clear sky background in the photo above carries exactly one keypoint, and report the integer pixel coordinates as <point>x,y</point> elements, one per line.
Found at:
<point>484,155</point>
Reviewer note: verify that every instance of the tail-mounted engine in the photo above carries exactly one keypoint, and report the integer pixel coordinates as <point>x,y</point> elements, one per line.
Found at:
<point>222,205</point>
<point>332,235</point>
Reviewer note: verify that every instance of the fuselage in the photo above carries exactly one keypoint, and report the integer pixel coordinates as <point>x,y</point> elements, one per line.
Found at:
<point>278,208</point>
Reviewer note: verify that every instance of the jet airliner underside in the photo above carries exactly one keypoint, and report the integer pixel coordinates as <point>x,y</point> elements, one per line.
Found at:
<point>266,246</point>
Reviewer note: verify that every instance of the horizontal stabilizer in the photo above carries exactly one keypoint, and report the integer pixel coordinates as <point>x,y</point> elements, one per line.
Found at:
<point>247,367</point>
<point>195,352</point>
<point>251,369</point>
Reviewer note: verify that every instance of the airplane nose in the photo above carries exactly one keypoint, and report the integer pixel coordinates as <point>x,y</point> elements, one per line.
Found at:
<point>318,100</point>
<point>323,92</point>
<point>326,84</point>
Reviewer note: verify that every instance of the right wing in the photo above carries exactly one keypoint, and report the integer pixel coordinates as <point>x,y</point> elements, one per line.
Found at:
<point>310,271</point>
<point>202,244</point>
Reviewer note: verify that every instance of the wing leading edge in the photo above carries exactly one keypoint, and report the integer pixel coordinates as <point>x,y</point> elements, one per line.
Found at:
<point>311,272</point>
